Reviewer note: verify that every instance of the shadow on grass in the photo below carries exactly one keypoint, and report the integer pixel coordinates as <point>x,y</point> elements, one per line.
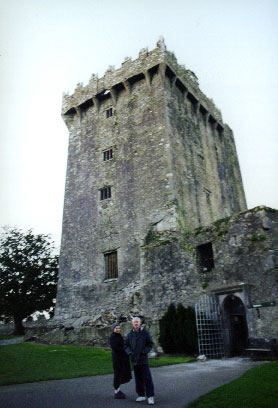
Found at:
<point>27,362</point>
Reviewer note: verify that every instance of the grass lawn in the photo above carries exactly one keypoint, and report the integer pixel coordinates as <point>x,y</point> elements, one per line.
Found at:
<point>26,362</point>
<point>257,388</point>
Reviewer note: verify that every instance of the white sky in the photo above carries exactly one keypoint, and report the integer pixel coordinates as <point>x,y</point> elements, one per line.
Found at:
<point>47,47</point>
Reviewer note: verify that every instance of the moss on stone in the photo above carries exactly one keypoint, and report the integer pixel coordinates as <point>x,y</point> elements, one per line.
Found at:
<point>189,248</point>
<point>256,238</point>
<point>198,230</point>
<point>158,238</point>
<point>219,223</point>
<point>219,233</point>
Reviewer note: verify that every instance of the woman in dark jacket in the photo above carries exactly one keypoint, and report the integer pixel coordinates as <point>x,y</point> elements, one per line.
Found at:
<point>121,365</point>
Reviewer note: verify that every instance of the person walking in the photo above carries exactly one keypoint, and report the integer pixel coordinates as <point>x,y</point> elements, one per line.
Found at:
<point>138,344</point>
<point>121,364</point>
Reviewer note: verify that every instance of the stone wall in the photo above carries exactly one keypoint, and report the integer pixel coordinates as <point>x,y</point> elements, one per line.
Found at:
<point>94,336</point>
<point>245,254</point>
<point>205,171</point>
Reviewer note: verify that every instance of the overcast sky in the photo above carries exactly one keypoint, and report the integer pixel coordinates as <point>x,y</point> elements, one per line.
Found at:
<point>47,47</point>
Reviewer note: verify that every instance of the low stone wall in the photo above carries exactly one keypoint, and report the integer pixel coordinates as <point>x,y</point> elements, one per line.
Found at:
<point>84,336</point>
<point>6,329</point>
<point>52,332</point>
<point>38,326</point>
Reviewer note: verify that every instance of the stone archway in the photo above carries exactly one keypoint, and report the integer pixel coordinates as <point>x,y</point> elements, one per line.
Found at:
<point>235,325</point>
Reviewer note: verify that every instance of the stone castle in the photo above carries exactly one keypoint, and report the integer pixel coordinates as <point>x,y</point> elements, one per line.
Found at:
<point>155,210</point>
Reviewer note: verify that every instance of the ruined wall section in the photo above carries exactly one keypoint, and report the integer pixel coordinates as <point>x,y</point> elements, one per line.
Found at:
<point>245,253</point>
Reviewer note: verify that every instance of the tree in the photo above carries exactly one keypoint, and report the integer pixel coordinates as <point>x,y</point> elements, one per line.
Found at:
<point>28,274</point>
<point>187,339</point>
<point>178,332</point>
<point>167,330</point>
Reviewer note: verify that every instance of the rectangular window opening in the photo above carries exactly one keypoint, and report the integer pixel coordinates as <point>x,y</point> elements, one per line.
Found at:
<point>108,154</point>
<point>111,265</point>
<point>208,195</point>
<point>105,193</point>
<point>205,257</point>
<point>109,112</point>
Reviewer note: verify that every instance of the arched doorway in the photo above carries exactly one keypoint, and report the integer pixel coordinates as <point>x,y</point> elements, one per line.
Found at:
<point>235,325</point>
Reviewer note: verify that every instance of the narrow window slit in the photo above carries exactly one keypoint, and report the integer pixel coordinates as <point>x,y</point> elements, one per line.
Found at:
<point>108,154</point>
<point>105,193</point>
<point>109,112</point>
<point>111,265</point>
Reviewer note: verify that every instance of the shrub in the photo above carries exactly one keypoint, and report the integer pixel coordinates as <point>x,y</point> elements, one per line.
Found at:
<point>178,333</point>
<point>167,328</point>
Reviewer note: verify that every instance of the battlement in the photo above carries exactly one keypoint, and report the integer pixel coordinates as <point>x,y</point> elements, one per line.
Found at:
<point>144,67</point>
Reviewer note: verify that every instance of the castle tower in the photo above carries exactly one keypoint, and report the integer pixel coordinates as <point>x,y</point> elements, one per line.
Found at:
<point>146,147</point>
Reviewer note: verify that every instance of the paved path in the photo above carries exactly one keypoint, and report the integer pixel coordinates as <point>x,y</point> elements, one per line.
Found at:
<point>175,387</point>
<point>11,341</point>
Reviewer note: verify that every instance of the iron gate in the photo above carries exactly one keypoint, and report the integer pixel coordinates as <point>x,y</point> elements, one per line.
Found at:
<point>208,321</point>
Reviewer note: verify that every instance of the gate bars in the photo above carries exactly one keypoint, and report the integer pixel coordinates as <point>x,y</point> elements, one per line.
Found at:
<point>208,321</point>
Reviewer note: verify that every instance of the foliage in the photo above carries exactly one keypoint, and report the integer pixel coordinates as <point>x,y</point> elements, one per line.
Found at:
<point>178,332</point>
<point>260,237</point>
<point>257,388</point>
<point>187,341</point>
<point>167,328</point>
<point>26,362</point>
<point>151,236</point>
<point>28,274</point>
<point>219,222</point>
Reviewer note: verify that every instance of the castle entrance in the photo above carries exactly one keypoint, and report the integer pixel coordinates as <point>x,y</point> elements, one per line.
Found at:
<point>235,325</point>
<point>209,328</point>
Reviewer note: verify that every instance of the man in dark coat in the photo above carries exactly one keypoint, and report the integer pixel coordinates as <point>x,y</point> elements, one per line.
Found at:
<point>121,364</point>
<point>138,344</point>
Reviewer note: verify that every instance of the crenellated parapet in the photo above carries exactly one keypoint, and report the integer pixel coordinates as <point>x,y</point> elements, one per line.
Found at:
<point>144,67</point>
<point>114,79</point>
<point>185,77</point>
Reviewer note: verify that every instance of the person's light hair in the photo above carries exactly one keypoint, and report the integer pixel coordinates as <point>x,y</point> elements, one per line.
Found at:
<point>136,318</point>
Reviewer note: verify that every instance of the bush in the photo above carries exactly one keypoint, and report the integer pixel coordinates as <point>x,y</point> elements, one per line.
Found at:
<point>167,329</point>
<point>178,333</point>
